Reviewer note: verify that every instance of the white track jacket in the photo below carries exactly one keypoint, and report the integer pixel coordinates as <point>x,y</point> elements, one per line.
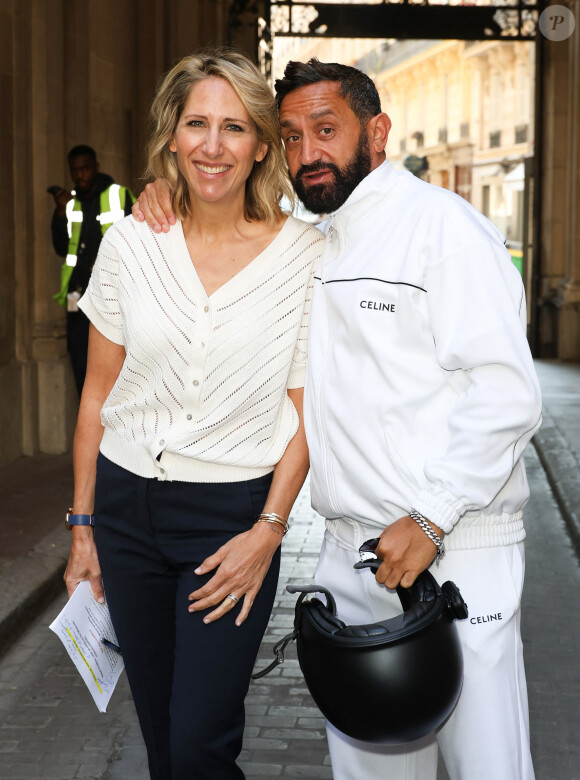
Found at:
<point>421,390</point>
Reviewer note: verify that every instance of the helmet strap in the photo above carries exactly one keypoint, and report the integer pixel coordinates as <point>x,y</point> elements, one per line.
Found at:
<point>278,651</point>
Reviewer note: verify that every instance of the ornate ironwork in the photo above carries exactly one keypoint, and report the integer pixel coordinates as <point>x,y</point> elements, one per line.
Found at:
<point>510,20</point>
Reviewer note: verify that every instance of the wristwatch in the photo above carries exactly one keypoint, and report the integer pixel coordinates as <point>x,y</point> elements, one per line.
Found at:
<point>72,519</point>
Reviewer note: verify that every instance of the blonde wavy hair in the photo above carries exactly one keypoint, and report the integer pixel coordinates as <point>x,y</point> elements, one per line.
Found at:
<point>268,181</point>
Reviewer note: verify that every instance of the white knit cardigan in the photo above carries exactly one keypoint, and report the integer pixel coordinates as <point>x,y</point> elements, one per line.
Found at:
<point>201,396</point>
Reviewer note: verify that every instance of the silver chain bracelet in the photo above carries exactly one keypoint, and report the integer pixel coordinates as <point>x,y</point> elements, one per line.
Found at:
<point>418,518</point>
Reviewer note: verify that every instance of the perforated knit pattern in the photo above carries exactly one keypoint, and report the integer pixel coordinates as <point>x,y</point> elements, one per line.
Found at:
<point>204,381</point>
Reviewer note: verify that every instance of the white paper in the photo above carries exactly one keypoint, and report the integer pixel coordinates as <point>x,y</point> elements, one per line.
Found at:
<point>81,626</point>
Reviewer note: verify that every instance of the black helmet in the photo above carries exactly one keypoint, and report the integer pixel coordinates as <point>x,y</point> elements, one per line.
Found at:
<point>389,682</point>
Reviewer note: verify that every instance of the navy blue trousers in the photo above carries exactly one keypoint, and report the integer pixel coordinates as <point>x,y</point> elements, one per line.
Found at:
<point>188,679</point>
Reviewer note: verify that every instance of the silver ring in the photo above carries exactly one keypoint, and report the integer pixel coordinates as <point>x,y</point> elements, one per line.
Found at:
<point>232,597</point>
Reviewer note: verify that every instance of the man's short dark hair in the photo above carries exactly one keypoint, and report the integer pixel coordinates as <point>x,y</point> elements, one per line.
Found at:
<point>81,150</point>
<point>355,85</point>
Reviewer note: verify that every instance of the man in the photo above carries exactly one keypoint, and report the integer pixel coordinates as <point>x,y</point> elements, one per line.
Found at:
<point>79,222</point>
<point>420,398</point>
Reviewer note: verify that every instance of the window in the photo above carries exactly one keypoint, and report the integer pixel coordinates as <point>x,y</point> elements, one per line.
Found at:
<point>522,95</point>
<point>444,100</point>
<point>495,112</point>
<point>421,114</point>
<point>463,181</point>
<point>419,138</point>
<point>485,200</point>
<point>521,134</point>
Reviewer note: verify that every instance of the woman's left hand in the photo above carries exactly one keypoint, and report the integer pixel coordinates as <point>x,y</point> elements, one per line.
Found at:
<point>242,564</point>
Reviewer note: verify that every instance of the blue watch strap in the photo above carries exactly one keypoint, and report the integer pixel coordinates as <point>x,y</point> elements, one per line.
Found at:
<point>72,519</point>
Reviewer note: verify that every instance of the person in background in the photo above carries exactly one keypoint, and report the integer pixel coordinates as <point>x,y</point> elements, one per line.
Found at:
<point>80,220</point>
<point>190,450</point>
<point>421,396</point>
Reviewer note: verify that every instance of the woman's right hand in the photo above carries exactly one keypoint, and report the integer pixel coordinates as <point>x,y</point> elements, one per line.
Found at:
<point>154,206</point>
<point>83,563</point>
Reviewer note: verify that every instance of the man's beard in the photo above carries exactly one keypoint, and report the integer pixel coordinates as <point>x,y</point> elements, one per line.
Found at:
<point>328,197</point>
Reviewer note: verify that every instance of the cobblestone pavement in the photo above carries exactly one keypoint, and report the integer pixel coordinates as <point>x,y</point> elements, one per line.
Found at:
<point>50,728</point>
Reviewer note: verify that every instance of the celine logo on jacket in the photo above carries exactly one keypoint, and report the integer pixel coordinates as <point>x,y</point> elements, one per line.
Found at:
<point>377,306</point>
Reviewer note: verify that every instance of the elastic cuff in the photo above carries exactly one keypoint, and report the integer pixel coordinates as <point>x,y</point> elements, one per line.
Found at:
<point>444,510</point>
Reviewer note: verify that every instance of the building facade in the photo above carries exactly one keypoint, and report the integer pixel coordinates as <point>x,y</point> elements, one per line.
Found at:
<point>464,105</point>
<point>466,110</point>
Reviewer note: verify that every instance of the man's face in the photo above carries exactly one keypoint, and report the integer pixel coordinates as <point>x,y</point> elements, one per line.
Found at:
<point>83,171</point>
<point>328,151</point>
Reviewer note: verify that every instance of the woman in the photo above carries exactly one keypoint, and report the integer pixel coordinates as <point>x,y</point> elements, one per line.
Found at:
<point>189,444</point>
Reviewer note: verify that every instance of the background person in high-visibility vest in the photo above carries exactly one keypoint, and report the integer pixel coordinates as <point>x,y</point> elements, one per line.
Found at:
<point>79,222</point>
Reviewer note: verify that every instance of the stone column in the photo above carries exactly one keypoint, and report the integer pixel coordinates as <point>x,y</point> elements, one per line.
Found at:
<point>50,101</point>
<point>559,290</point>
<point>568,295</point>
<point>10,377</point>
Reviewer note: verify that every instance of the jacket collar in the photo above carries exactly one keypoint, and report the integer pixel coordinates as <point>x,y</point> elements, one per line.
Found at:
<point>379,181</point>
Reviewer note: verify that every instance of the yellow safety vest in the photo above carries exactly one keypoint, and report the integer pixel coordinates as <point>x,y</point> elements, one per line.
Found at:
<point>112,201</point>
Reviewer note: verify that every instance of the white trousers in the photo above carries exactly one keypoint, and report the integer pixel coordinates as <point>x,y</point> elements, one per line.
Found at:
<point>487,735</point>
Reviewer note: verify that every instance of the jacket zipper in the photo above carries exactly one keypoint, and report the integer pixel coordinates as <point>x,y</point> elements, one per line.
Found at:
<point>326,454</point>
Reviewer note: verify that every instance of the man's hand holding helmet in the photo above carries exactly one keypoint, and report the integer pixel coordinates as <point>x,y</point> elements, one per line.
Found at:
<point>405,551</point>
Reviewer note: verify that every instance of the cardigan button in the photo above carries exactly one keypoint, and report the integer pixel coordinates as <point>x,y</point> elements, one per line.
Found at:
<point>195,383</point>
<point>206,309</point>
<point>189,416</point>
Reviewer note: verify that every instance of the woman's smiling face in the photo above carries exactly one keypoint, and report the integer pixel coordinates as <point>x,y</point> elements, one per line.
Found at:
<point>216,143</point>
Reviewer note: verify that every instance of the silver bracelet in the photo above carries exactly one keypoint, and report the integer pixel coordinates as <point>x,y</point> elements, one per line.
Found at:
<point>274,520</point>
<point>437,541</point>
<point>272,525</point>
